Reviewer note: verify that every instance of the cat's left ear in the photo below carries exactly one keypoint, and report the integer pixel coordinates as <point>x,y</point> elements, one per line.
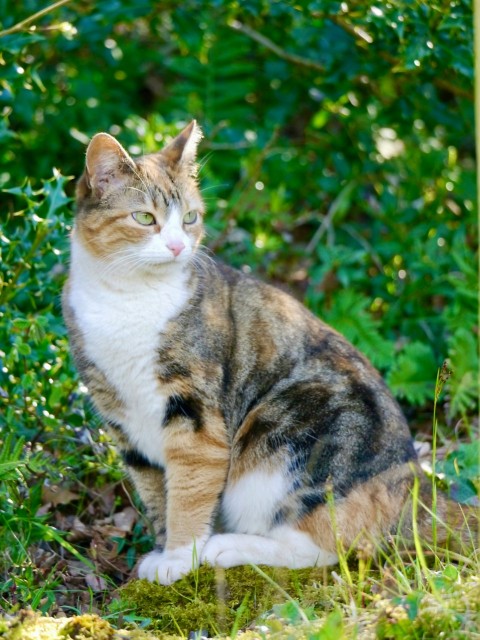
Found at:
<point>106,164</point>
<point>182,151</point>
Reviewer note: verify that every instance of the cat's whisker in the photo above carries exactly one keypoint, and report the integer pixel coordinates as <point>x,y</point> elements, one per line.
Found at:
<point>139,190</point>
<point>138,175</point>
<point>204,249</point>
<point>200,262</point>
<point>120,261</point>
<point>200,256</point>
<point>212,186</point>
<point>203,162</point>
<point>131,262</point>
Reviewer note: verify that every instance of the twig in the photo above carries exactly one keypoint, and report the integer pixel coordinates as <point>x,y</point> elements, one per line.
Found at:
<point>269,44</point>
<point>357,32</point>
<point>353,30</point>
<point>21,25</point>
<point>441,83</point>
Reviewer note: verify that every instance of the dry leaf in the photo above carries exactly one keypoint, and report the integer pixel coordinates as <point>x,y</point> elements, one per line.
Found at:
<point>96,583</point>
<point>44,509</point>
<point>58,495</point>
<point>125,519</point>
<point>79,531</point>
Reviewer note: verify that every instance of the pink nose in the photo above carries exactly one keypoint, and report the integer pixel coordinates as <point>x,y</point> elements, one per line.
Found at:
<point>176,247</point>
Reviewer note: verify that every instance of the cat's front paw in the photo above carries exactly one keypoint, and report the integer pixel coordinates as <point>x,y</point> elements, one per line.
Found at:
<point>221,551</point>
<point>166,567</point>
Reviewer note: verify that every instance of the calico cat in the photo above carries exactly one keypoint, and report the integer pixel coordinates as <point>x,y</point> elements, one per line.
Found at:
<point>228,400</point>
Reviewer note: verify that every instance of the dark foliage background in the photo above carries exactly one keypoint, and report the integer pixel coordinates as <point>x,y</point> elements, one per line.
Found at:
<point>338,162</point>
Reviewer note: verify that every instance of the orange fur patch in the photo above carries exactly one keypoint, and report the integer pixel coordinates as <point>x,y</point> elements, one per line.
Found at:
<point>197,464</point>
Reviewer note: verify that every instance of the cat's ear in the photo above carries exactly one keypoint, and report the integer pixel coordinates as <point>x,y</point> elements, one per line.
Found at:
<point>182,150</point>
<point>106,164</point>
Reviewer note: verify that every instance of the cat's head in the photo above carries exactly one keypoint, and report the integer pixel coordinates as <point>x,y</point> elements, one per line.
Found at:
<point>144,212</point>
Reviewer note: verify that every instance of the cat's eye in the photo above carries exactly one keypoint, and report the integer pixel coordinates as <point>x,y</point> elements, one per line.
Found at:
<point>142,217</point>
<point>190,217</point>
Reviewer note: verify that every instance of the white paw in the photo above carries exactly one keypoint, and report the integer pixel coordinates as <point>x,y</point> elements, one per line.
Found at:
<point>168,566</point>
<point>220,551</point>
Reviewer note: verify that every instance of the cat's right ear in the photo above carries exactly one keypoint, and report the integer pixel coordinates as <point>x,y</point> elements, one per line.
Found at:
<point>106,164</point>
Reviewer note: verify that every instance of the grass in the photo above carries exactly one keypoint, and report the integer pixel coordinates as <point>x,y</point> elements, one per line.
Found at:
<point>395,599</point>
<point>418,592</point>
<point>71,533</point>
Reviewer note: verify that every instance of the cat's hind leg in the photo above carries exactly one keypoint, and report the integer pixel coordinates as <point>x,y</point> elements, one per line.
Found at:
<point>283,547</point>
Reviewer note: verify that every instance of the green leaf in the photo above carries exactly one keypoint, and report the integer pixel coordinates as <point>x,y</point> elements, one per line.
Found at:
<point>463,462</point>
<point>24,349</point>
<point>332,628</point>
<point>463,384</point>
<point>50,533</point>
<point>349,315</point>
<point>15,42</point>
<point>7,467</point>
<point>56,395</point>
<point>55,194</point>
<point>463,491</point>
<point>414,373</point>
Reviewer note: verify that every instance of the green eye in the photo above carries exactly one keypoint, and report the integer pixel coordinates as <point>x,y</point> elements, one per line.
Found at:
<point>142,217</point>
<point>190,217</point>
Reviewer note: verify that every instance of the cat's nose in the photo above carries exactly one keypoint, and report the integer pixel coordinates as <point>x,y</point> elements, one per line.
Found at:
<point>176,247</point>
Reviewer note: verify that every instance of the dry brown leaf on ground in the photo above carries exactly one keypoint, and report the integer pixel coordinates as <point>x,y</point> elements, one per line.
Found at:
<point>58,495</point>
<point>96,583</point>
<point>126,519</point>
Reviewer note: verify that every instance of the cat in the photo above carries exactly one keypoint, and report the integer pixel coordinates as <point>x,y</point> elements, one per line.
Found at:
<point>228,400</point>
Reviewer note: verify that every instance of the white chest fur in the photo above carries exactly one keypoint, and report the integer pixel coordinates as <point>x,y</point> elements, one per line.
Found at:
<point>122,323</point>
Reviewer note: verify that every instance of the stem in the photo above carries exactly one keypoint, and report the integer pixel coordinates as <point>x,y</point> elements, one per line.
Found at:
<point>21,25</point>
<point>420,557</point>
<point>269,44</point>
<point>282,591</point>
<point>438,389</point>
<point>9,288</point>
<point>365,38</point>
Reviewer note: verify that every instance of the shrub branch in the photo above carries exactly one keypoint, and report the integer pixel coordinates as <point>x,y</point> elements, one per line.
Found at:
<point>24,23</point>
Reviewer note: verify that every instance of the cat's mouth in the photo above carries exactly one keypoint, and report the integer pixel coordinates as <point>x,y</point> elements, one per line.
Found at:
<point>165,260</point>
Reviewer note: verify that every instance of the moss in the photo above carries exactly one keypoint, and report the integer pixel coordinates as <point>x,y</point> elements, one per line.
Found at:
<point>216,600</point>
<point>27,625</point>
<point>87,627</point>
<point>221,602</point>
<point>451,614</point>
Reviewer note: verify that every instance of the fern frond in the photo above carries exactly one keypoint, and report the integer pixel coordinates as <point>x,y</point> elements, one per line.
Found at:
<point>413,373</point>
<point>349,314</point>
<point>463,385</point>
<point>216,78</point>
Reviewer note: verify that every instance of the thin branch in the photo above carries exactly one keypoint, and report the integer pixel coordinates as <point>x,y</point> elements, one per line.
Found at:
<point>352,29</point>
<point>362,37</point>
<point>24,23</point>
<point>441,83</point>
<point>267,43</point>
<point>355,31</point>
